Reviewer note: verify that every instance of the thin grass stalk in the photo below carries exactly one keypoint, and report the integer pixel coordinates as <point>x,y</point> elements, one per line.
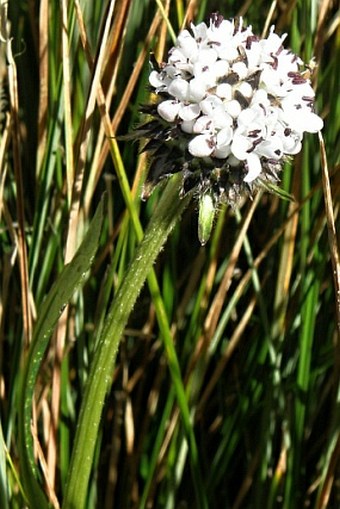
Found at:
<point>332,233</point>
<point>4,142</point>
<point>15,131</point>
<point>67,98</point>
<point>163,35</point>
<point>166,19</point>
<point>44,85</point>
<point>257,283</point>
<point>64,431</point>
<point>329,476</point>
<point>284,276</point>
<point>180,11</point>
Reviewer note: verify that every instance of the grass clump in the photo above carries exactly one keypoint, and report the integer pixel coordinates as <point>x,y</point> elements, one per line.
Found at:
<point>224,389</point>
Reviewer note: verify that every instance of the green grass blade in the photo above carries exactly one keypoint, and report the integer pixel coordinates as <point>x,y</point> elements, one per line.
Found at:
<point>70,279</point>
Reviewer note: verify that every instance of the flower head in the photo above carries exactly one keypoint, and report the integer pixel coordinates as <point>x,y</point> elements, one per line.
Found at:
<point>231,108</point>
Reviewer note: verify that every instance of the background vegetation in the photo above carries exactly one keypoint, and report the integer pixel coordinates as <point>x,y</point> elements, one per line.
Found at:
<point>243,412</point>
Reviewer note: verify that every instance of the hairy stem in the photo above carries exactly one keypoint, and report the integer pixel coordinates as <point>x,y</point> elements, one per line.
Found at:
<point>99,382</point>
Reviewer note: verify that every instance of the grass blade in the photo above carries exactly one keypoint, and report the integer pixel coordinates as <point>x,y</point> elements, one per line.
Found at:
<point>69,280</point>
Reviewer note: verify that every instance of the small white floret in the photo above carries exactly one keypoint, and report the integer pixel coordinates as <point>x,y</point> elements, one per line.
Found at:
<point>179,88</point>
<point>168,110</point>
<point>254,168</point>
<point>201,146</point>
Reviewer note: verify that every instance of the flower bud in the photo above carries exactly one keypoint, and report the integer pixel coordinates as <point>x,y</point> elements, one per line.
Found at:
<point>206,216</point>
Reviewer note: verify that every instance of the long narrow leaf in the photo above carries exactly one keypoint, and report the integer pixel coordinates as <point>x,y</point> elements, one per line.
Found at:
<point>70,279</point>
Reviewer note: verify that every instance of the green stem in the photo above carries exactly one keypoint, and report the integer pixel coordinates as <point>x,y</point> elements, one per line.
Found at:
<point>100,377</point>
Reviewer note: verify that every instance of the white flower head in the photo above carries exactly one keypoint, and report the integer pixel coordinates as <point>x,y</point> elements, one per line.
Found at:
<point>232,108</point>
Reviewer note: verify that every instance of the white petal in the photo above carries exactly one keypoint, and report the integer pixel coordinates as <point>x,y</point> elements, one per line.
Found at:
<point>224,137</point>
<point>272,148</point>
<point>304,89</point>
<point>188,44</point>
<point>271,117</point>
<point>209,104</point>
<point>168,110</point>
<point>273,42</point>
<point>184,70</point>
<point>222,152</point>
<point>172,71</point>
<point>292,144</point>
<point>187,126</point>
<point>176,57</point>
<point>270,80</point>
<point>254,167</point>
<point>260,97</point>
<point>240,147</point>
<point>179,88</point>
<point>301,120</point>
<point>204,74</point>
<point>233,108</point>
<point>245,89</point>
<point>220,68</point>
<point>207,56</point>
<point>253,56</point>
<point>202,124</point>
<point>199,31</point>
<point>196,90</point>
<point>225,91</point>
<point>241,69</point>
<point>222,32</point>
<point>221,118</point>
<point>288,62</point>
<point>155,79</point>
<point>183,35</point>
<point>314,124</point>
<point>246,117</point>
<point>201,146</point>
<point>189,112</point>
<point>228,52</point>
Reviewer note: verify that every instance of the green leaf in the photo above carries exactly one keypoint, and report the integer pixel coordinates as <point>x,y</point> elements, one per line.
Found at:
<point>277,190</point>
<point>71,278</point>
